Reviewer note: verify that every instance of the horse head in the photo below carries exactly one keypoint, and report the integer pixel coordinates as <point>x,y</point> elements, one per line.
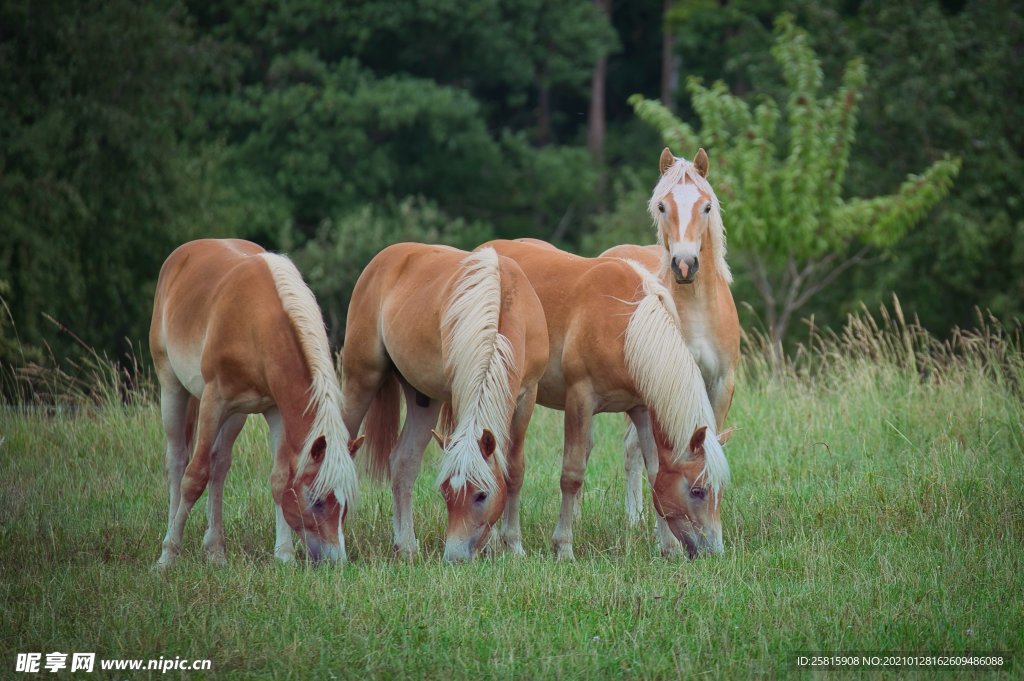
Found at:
<point>687,499</point>
<point>683,206</point>
<point>317,518</point>
<point>473,507</point>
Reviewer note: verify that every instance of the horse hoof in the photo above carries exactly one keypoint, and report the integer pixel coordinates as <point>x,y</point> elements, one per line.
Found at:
<point>672,552</point>
<point>405,553</point>
<point>565,552</point>
<point>217,558</point>
<point>516,549</point>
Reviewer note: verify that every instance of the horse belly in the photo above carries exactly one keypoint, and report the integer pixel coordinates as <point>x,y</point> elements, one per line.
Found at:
<point>186,363</point>
<point>425,374</point>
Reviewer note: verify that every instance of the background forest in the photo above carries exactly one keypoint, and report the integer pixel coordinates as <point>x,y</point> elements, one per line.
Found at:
<point>329,130</point>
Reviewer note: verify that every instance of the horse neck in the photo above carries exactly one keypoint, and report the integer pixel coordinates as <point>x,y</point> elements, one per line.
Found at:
<point>291,397</point>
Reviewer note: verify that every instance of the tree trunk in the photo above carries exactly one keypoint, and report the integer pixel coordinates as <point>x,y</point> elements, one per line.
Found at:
<point>596,118</point>
<point>669,62</point>
<point>543,111</point>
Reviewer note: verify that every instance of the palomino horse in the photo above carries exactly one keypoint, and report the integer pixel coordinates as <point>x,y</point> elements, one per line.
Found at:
<point>451,327</point>
<point>688,218</point>
<point>615,346</point>
<point>236,327</point>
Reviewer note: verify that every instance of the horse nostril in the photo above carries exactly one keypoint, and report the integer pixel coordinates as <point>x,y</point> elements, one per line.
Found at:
<point>694,266</point>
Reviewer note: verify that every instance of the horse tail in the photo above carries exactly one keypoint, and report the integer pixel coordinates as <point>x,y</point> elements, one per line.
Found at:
<point>479,363</point>
<point>668,377</point>
<point>382,428</point>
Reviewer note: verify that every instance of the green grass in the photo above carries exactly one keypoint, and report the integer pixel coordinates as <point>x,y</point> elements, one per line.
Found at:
<point>876,506</point>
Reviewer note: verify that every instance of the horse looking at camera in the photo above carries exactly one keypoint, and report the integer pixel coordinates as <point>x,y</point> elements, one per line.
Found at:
<point>456,328</point>
<point>691,239</point>
<point>615,346</point>
<point>236,328</point>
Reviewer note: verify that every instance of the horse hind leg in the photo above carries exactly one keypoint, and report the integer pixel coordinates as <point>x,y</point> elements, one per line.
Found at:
<point>220,462</point>
<point>511,535</point>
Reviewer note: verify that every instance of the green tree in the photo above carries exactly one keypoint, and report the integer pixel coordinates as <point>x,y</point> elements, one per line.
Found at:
<point>782,184</point>
<point>947,80</point>
<point>96,184</point>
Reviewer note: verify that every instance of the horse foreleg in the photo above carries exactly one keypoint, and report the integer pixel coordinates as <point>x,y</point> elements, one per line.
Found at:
<point>284,546</point>
<point>634,460</point>
<point>174,411</point>
<point>405,464</point>
<point>641,417</point>
<point>220,462</point>
<point>721,393</point>
<point>579,413</point>
<point>511,535</point>
<point>197,473</point>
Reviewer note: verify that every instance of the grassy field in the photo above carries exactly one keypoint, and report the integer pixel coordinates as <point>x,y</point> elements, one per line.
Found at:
<point>876,506</point>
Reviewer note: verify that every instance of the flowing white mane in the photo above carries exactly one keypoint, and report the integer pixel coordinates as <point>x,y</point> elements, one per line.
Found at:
<point>479,363</point>
<point>683,171</point>
<point>337,472</point>
<point>668,377</point>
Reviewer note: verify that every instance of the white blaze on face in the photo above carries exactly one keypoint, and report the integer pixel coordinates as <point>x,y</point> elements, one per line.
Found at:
<point>685,196</point>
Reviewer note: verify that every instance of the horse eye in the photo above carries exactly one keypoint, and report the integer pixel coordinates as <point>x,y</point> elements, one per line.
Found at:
<point>707,209</point>
<point>661,207</point>
<point>319,505</point>
<point>697,492</point>
<point>480,497</point>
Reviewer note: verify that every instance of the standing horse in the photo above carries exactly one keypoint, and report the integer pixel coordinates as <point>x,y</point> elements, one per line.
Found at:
<point>615,346</point>
<point>236,328</point>
<point>690,233</point>
<point>450,327</point>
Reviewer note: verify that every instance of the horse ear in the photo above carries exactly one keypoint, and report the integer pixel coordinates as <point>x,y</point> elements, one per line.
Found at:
<point>442,441</point>
<point>354,445</point>
<point>725,435</point>
<point>666,161</point>
<point>700,162</point>
<point>319,448</point>
<point>488,444</point>
<point>697,439</point>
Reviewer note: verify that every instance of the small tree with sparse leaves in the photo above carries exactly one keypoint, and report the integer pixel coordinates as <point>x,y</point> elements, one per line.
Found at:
<point>782,188</point>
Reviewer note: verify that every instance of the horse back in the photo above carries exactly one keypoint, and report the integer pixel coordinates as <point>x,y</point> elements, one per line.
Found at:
<point>523,322</point>
<point>216,311</point>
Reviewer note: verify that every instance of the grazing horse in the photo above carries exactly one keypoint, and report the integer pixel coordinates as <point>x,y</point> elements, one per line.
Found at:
<point>691,235</point>
<point>615,346</point>
<point>235,328</point>
<point>456,328</point>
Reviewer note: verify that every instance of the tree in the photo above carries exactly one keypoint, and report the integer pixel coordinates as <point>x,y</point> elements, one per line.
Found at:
<point>96,184</point>
<point>782,187</point>
<point>598,81</point>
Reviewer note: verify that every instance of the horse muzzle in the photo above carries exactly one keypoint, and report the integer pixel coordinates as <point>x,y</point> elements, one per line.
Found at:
<point>685,269</point>
<point>697,543</point>
<point>322,552</point>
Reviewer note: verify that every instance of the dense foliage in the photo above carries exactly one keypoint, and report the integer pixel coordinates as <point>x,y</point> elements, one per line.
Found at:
<point>331,129</point>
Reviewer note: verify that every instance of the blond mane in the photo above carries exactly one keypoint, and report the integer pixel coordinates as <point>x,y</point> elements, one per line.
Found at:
<point>668,377</point>
<point>679,172</point>
<point>479,362</point>
<point>337,472</point>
